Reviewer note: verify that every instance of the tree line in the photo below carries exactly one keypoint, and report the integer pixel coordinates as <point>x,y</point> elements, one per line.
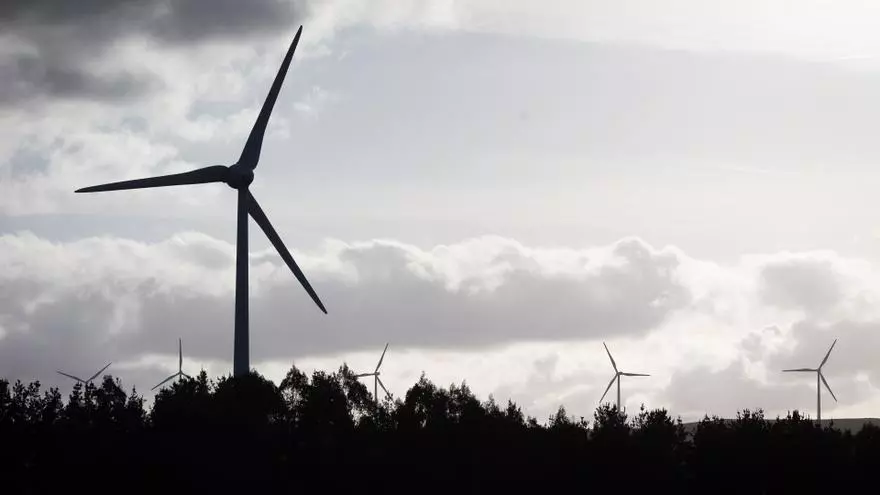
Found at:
<point>326,432</point>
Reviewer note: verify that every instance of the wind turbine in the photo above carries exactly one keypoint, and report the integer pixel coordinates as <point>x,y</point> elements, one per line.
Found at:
<point>819,378</point>
<point>616,377</point>
<point>90,379</point>
<point>376,380</point>
<point>179,366</point>
<point>237,176</point>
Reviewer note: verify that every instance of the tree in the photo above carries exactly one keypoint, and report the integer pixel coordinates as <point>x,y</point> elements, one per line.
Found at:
<point>661,448</point>
<point>326,428</point>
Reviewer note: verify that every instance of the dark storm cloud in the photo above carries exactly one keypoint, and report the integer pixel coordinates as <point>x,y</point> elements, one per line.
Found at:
<point>63,38</point>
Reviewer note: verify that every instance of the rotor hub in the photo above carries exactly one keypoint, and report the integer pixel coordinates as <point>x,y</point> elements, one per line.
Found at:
<point>239,176</point>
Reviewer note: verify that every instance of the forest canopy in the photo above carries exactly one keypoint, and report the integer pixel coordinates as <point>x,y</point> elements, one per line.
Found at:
<point>325,431</point>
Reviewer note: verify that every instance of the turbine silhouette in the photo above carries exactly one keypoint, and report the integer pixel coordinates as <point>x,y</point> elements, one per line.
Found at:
<point>377,382</point>
<point>87,381</point>
<point>237,176</point>
<point>820,379</point>
<point>179,366</point>
<point>617,375</point>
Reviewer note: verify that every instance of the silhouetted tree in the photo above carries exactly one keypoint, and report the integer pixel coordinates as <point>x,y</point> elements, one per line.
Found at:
<point>661,450</point>
<point>327,429</point>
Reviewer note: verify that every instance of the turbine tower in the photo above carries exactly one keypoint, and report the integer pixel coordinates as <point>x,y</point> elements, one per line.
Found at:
<point>819,378</point>
<point>377,382</point>
<point>616,377</point>
<point>179,366</point>
<point>237,176</point>
<point>89,380</point>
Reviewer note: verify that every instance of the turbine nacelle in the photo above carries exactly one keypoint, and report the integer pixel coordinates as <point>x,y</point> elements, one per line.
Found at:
<point>239,176</point>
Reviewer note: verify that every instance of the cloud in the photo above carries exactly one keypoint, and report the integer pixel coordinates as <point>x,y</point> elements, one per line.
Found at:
<point>27,76</point>
<point>444,298</point>
<point>70,305</point>
<point>75,305</point>
<point>854,354</point>
<point>704,391</point>
<point>61,51</point>
<point>764,26</point>
<point>65,52</point>
<point>314,101</point>
<point>71,52</point>
<point>801,284</point>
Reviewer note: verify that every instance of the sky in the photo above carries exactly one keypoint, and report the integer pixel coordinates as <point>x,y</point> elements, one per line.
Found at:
<point>494,187</point>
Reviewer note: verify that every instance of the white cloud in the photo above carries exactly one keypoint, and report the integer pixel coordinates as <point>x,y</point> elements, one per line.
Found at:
<point>487,310</point>
<point>314,101</point>
<point>208,92</point>
<point>840,31</point>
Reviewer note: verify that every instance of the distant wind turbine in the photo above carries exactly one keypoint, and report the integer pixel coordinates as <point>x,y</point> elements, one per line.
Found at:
<point>179,366</point>
<point>377,382</point>
<point>89,380</point>
<point>617,375</point>
<point>238,176</point>
<point>819,378</point>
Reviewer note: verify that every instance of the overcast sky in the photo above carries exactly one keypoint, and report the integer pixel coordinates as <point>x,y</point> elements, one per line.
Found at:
<point>492,186</point>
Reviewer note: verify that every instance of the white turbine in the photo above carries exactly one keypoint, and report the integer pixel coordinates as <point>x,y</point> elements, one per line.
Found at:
<point>616,377</point>
<point>89,380</point>
<point>179,366</point>
<point>377,382</point>
<point>819,378</point>
<point>237,176</point>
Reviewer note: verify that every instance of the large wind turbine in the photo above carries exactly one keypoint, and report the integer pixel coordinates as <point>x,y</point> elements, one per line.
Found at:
<point>179,366</point>
<point>819,378</point>
<point>238,176</point>
<point>617,375</point>
<point>89,380</point>
<point>376,380</point>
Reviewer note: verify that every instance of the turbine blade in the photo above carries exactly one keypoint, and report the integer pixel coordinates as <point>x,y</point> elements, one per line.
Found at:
<point>611,358</point>
<point>216,173</point>
<point>261,219</point>
<point>184,374</point>
<point>633,374</point>
<point>71,376</point>
<point>828,354</point>
<point>827,386</point>
<point>364,374</point>
<point>799,369</point>
<point>180,353</point>
<point>163,381</point>
<point>381,358</point>
<point>608,388</point>
<point>387,393</point>
<point>250,155</point>
<point>99,372</point>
